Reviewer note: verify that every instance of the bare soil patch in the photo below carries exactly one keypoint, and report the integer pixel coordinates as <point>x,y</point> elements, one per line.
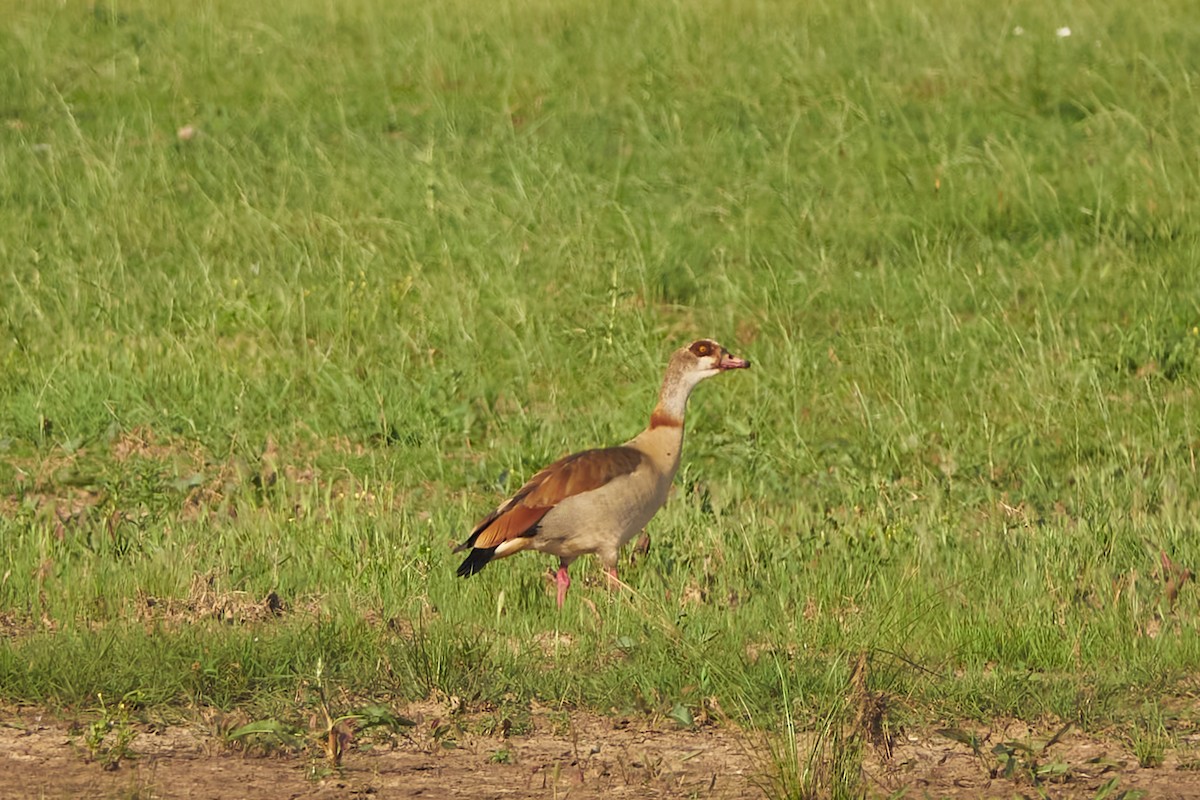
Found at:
<point>597,757</point>
<point>589,757</point>
<point>1079,766</point>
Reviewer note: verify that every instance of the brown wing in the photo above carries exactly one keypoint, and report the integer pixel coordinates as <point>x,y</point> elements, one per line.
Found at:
<point>567,477</point>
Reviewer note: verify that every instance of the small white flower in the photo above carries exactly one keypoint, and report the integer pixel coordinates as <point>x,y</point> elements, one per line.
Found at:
<point>1063,32</point>
<point>1018,31</point>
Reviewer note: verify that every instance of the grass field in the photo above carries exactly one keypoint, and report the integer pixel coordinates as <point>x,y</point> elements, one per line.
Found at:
<point>291,293</point>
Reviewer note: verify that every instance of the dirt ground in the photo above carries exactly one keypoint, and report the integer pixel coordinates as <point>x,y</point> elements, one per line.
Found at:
<point>594,757</point>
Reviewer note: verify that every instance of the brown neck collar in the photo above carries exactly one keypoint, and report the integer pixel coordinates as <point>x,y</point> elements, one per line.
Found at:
<point>662,418</point>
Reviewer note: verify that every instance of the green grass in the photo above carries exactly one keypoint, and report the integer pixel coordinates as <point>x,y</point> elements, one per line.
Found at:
<point>423,249</point>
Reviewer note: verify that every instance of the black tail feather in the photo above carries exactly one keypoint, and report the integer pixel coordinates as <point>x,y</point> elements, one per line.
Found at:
<point>476,560</point>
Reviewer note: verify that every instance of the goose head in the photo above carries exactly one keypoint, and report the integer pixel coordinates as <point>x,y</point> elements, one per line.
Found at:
<point>702,359</point>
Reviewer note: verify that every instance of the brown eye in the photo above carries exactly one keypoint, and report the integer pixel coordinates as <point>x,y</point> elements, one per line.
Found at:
<point>702,349</point>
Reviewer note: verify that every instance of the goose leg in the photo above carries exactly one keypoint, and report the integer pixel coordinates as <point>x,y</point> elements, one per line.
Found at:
<point>563,580</point>
<point>614,583</point>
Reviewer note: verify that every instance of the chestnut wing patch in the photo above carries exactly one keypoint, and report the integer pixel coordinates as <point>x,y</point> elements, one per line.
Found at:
<point>567,477</point>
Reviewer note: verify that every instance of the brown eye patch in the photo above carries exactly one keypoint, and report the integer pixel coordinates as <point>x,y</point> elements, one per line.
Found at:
<point>702,349</point>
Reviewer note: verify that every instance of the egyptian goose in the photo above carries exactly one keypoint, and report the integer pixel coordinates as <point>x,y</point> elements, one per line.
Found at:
<point>597,500</point>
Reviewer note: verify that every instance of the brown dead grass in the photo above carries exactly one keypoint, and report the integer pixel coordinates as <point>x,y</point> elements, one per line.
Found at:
<point>207,601</point>
<point>141,442</point>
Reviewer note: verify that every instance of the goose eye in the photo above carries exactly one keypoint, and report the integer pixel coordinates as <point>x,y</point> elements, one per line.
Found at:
<point>702,349</point>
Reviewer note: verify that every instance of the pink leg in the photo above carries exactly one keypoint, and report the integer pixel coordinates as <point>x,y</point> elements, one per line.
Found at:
<point>613,581</point>
<point>563,580</point>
